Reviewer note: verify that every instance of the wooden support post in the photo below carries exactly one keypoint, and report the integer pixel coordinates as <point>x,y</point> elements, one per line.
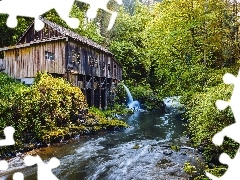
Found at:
<point>100,93</point>
<point>105,91</point>
<point>111,90</point>
<point>84,85</point>
<point>92,90</point>
<point>92,97</point>
<point>69,76</point>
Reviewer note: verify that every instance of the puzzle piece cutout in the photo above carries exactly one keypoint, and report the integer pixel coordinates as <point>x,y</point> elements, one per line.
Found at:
<point>18,176</point>
<point>44,170</point>
<point>230,131</point>
<point>233,172</point>
<point>35,8</point>
<point>8,132</point>
<point>3,165</point>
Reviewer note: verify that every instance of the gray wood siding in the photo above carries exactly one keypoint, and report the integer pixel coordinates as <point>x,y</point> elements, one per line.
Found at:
<point>27,61</point>
<point>103,63</point>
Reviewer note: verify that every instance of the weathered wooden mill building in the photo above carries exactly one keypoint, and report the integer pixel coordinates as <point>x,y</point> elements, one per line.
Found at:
<point>63,53</point>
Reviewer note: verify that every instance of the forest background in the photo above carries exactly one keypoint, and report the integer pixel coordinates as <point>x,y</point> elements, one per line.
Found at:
<point>168,48</point>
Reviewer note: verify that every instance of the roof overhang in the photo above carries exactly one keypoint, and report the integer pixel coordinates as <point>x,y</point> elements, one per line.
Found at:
<point>31,43</point>
<point>64,32</point>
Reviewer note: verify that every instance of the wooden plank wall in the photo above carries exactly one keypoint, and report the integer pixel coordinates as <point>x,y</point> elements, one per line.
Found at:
<point>26,61</point>
<point>103,59</point>
<point>32,59</point>
<point>2,65</point>
<point>106,70</point>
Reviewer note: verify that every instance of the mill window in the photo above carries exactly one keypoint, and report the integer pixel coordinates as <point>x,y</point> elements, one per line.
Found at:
<point>90,61</point>
<point>115,70</point>
<point>74,57</point>
<point>78,57</point>
<point>96,62</point>
<point>49,56</point>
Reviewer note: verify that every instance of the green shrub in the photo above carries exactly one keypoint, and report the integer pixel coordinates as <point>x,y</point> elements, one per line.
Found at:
<point>11,98</point>
<point>47,111</point>
<point>104,119</point>
<point>32,111</point>
<point>58,101</point>
<point>205,120</point>
<point>121,95</point>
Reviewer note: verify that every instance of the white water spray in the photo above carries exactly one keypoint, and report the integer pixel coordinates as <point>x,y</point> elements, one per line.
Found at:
<point>172,102</point>
<point>135,105</point>
<point>130,98</point>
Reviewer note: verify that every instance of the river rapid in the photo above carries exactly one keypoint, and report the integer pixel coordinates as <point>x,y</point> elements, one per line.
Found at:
<point>141,152</point>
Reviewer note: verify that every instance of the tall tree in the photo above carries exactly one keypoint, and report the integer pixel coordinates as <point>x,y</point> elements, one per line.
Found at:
<point>87,29</point>
<point>9,36</point>
<point>187,36</point>
<point>126,42</point>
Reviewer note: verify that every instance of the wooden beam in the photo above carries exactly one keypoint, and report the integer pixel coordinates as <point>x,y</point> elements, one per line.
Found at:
<point>100,93</point>
<point>106,95</point>
<point>32,42</point>
<point>84,85</point>
<point>92,89</point>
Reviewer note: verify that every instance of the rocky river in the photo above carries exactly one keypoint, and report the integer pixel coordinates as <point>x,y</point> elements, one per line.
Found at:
<point>141,152</point>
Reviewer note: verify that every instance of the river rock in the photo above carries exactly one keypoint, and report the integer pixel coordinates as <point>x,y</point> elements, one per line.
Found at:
<point>165,163</point>
<point>167,152</point>
<point>184,153</point>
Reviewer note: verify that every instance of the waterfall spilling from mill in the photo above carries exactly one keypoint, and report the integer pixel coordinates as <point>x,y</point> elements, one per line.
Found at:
<point>130,98</point>
<point>135,105</point>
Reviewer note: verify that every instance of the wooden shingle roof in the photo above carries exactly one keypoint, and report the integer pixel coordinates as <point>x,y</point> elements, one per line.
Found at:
<point>69,33</point>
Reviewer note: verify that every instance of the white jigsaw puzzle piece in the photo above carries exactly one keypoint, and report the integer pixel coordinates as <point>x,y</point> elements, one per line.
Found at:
<point>18,176</point>
<point>231,131</point>
<point>8,132</point>
<point>235,98</point>
<point>3,165</point>
<point>233,172</point>
<point>35,8</point>
<point>44,170</point>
